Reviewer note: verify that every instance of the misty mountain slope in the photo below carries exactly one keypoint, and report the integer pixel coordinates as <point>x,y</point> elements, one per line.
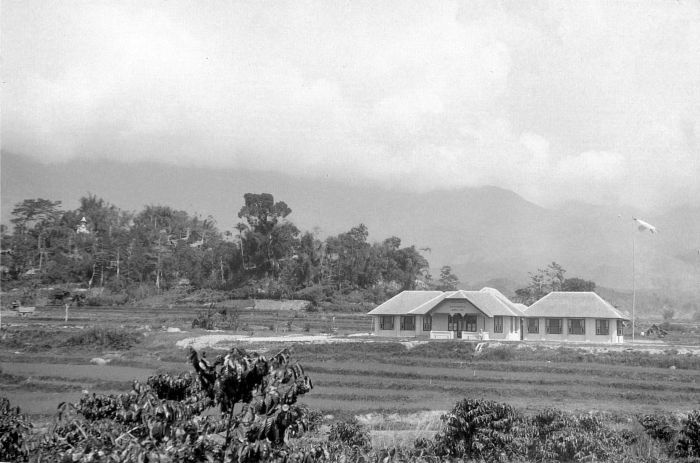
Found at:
<point>484,233</point>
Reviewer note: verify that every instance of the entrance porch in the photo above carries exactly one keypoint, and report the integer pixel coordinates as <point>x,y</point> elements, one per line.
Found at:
<point>474,327</point>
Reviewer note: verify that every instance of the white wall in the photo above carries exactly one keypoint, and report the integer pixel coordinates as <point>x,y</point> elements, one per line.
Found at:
<point>589,336</point>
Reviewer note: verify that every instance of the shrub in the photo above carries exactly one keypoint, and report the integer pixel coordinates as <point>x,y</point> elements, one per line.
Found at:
<point>481,430</point>
<point>688,445</point>
<point>168,387</point>
<point>313,416</point>
<point>170,417</point>
<point>13,426</point>
<point>658,427</point>
<point>351,433</point>
<point>314,294</point>
<point>223,319</point>
<point>141,291</point>
<point>106,300</point>
<point>112,338</point>
<point>560,436</point>
<point>501,353</point>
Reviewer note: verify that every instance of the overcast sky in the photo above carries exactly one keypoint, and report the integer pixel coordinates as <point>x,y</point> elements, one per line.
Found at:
<point>598,102</point>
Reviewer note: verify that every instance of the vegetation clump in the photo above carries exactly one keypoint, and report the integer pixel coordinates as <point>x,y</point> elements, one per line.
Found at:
<point>14,426</point>
<point>170,417</point>
<point>350,433</point>
<point>481,430</point>
<point>226,319</point>
<point>688,445</point>
<point>112,338</point>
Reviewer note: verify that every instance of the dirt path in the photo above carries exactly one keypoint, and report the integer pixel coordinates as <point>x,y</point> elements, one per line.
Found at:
<point>226,341</point>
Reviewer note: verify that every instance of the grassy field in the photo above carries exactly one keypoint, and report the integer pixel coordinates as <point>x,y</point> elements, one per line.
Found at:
<point>45,361</point>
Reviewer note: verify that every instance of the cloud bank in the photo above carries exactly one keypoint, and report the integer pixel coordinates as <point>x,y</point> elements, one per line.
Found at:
<point>558,101</point>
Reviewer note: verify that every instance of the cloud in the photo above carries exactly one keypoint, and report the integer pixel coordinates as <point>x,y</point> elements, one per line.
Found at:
<point>557,101</point>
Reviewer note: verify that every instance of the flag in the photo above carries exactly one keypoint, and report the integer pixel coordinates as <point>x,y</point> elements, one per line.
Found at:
<point>645,226</point>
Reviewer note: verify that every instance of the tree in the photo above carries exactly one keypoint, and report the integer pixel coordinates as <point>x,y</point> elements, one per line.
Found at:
<point>448,280</point>
<point>268,239</point>
<point>412,263</point>
<point>34,212</point>
<point>348,253</point>
<point>108,239</point>
<point>34,220</point>
<point>577,285</point>
<point>544,281</point>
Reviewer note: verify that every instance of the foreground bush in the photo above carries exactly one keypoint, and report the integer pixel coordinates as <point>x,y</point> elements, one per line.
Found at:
<point>560,436</point>
<point>350,433</point>
<point>481,430</point>
<point>489,431</point>
<point>658,427</point>
<point>13,429</point>
<point>689,442</point>
<point>170,418</point>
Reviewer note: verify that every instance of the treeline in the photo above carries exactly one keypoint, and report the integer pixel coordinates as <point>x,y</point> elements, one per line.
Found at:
<point>98,244</point>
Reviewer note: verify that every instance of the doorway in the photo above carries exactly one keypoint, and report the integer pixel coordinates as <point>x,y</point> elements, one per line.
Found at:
<point>455,324</point>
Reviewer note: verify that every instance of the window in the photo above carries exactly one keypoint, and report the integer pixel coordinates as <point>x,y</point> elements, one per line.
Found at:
<point>602,327</point>
<point>577,326</point>
<point>553,325</point>
<point>513,325</point>
<point>498,324</point>
<point>386,322</point>
<point>427,323</point>
<point>408,323</point>
<point>470,323</point>
<point>619,327</point>
<point>533,325</point>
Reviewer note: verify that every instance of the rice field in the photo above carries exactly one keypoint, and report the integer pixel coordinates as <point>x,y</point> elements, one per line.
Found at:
<point>353,378</point>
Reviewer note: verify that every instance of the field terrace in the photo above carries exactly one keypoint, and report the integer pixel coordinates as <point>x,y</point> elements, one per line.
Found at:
<point>358,376</point>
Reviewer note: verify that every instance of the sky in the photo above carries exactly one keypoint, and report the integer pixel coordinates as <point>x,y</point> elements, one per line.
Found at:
<point>557,101</point>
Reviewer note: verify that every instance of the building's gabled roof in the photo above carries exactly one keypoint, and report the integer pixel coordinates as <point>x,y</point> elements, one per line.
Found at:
<point>520,307</point>
<point>573,305</point>
<point>410,302</point>
<point>515,309</point>
<point>488,300</point>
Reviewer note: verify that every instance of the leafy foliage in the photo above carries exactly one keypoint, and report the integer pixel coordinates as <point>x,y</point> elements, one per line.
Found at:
<point>13,428</point>
<point>551,278</point>
<point>659,427</point>
<point>448,280</point>
<point>209,319</point>
<point>113,338</point>
<point>491,431</point>
<point>481,430</point>
<point>350,433</point>
<point>558,436</point>
<point>688,445</point>
<point>170,418</point>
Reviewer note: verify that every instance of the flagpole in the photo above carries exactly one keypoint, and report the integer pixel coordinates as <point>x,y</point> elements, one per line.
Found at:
<point>634,287</point>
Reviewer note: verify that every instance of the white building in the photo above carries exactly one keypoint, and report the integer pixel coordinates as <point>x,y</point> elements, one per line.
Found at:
<point>573,316</point>
<point>471,315</point>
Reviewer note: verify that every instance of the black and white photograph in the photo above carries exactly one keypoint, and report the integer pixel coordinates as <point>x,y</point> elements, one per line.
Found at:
<point>349,231</point>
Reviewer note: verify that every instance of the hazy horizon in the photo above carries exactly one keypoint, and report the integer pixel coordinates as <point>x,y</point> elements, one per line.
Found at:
<point>595,102</point>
